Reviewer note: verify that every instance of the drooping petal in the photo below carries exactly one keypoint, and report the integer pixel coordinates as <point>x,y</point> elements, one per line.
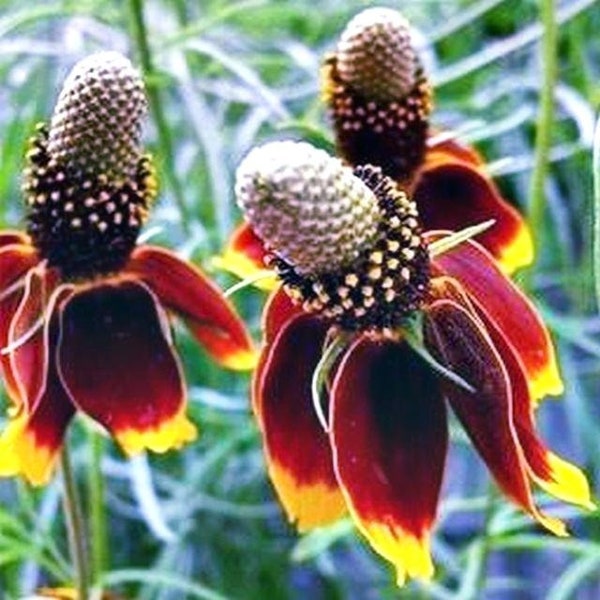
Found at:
<point>296,446</point>
<point>512,312</point>
<point>31,442</point>
<point>389,436</point>
<point>555,475</point>
<point>453,194</point>
<point>187,291</point>
<point>278,310</point>
<point>116,361</point>
<point>16,259</point>
<point>459,341</point>
<point>244,257</point>
<point>27,349</point>
<point>12,236</point>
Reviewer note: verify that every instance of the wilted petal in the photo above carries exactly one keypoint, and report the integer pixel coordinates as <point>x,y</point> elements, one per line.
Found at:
<point>31,442</point>
<point>389,434</point>
<point>453,194</point>
<point>187,291</point>
<point>244,256</point>
<point>15,260</point>
<point>296,446</point>
<point>459,341</point>
<point>554,474</point>
<point>512,312</point>
<point>116,362</point>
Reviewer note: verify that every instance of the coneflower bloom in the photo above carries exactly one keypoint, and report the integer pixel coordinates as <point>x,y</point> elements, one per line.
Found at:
<point>380,101</point>
<point>84,319</point>
<point>373,332</point>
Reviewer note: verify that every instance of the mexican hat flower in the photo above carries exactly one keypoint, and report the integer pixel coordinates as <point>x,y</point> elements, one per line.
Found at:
<point>84,309</point>
<point>375,330</point>
<point>380,102</point>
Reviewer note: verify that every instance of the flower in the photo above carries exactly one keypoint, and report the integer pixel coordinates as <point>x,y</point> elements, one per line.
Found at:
<point>363,353</point>
<point>380,101</point>
<point>84,322</point>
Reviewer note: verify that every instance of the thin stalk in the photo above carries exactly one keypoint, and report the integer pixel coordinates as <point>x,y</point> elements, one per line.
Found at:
<point>75,528</point>
<point>99,545</point>
<point>140,35</point>
<point>485,544</point>
<point>596,242</point>
<point>545,119</point>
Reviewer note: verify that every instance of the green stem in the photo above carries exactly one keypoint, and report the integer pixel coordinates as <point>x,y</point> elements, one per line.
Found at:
<point>140,34</point>
<point>99,545</point>
<point>485,544</point>
<point>75,527</point>
<point>545,119</point>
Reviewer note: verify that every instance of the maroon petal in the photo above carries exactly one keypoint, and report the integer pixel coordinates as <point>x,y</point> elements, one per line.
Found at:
<point>512,312</point>
<point>116,361</point>
<point>187,291</point>
<point>389,434</point>
<point>454,194</point>
<point>459,341</point>
<point>31,442</point>
<point>296,446</point>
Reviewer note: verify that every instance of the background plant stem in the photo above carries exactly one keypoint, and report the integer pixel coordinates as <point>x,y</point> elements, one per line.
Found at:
<point>75,527</point>
<point>140,35</point>
<point>99,546</point>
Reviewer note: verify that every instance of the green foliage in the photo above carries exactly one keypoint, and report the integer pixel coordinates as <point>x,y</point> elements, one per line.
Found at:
<point>204,523</point>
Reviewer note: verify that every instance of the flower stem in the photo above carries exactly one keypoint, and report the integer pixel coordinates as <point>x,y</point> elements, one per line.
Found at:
<point>99,546</point>
<point>545,118</point>
<point>140,35</point>
<point>485,545</point>
<point>75,527</point>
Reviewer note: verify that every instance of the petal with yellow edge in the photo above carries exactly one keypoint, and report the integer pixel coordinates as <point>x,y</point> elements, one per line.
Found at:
<point>31,442</point>
<point>553,474</point>
<point>27,347</point>
<point>452,194</point>
<point>389,436</point>
<point>454,150</point>
<point>278,310</point>
<point>116,362</point>
<point>459,341</point>
<point>15,260</point>
<point>188,292</point>
<point>512,312</point>
<point>296,446</point>
<point>244,257</point>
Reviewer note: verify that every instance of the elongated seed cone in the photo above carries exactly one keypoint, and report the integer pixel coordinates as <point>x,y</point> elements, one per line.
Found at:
<point>96,125</point>
<point>306,205</point>
<point>375,55</point>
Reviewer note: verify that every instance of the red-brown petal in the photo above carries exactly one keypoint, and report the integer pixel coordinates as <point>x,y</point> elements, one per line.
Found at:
<point>27,346</point>
<point>116,361</point>
<point>31,442</point>
<point>10,237</point>
<point>453,150</point>
<point>16,259</point>
<point>555,475</point>
<point>513,313</point>
<point>244,256</point>
<point>453,194</point>
<point>296,446</point>
<point>389,434</point>
<point>187,291</point>
<point>459,341</point>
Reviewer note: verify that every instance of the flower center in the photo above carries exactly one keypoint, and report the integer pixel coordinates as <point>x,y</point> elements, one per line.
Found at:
<point>384,284</point>
<point>82,224</point>
<point>378,94</point>
<point>87,186</point>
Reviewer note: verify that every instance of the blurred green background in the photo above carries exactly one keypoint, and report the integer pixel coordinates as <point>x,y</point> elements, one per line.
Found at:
<point>204,523</point>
